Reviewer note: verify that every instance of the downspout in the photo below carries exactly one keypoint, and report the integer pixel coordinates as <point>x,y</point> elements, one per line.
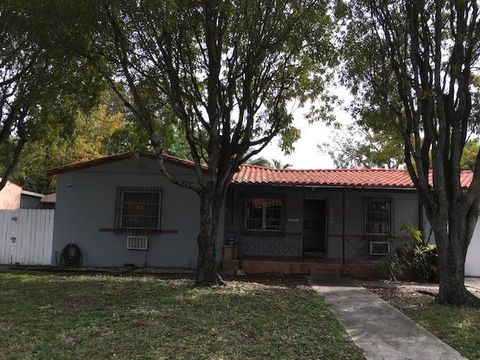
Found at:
<point>343,224</point>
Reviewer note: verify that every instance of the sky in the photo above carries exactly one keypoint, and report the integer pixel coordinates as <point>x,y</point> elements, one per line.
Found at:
<point>306,154</point>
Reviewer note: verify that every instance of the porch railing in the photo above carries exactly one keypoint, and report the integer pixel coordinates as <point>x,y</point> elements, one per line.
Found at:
<point>357,248</point>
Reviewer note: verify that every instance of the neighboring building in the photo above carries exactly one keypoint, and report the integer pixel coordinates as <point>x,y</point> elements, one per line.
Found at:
<point>10,196</point>
<point>48,201</point>
<point>30,200</point>
<point>121,210</point>
<point>13,196</point>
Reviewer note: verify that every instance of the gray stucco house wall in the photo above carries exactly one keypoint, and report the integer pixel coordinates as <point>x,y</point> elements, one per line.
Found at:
<point>86,209</point>
<point>290,242</point>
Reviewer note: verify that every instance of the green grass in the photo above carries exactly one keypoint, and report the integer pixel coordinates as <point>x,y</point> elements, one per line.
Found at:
<point>457,326</point>
<point>59,316</point>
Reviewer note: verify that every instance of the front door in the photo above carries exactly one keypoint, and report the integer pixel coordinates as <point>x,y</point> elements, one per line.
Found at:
<point>315,227</point>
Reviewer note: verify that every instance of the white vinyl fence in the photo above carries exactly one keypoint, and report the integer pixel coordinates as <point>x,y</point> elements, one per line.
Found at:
<point>26,236</point>
<point>472,264</point>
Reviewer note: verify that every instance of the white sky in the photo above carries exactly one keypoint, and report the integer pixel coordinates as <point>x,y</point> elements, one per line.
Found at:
<point>306,154</point>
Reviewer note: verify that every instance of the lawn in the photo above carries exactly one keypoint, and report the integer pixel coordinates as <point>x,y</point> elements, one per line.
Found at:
<point>459,327</point>
<point>62,316</point>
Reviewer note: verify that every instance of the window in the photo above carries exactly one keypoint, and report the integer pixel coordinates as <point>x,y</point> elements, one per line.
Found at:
<point>263,213</point>
<point>378,216</point>
<point>138,208</point>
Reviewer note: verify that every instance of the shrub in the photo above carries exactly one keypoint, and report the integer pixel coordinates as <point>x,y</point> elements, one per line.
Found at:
<point>414,259</point>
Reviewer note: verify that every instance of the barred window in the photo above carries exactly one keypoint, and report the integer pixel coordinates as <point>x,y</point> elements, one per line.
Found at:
<point>263,213</point>
<point>138,208</point>
<point>378,216</point>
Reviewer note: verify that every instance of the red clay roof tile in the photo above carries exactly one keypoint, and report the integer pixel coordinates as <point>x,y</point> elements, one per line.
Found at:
<point>367,178</point>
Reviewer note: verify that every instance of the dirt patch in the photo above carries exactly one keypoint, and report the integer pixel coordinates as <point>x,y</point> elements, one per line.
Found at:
<point>405,297</point>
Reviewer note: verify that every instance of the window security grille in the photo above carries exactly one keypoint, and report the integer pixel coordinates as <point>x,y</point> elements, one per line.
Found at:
<point>378,216</point>
<point>138,208</point>
<point>263,213</point>
<point>137,242</point>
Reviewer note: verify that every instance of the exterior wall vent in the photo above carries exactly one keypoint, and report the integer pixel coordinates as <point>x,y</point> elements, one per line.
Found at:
<point>379,248</point>
<point>137,242</point>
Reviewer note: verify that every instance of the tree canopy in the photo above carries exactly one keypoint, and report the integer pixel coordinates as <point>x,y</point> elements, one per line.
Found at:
<point>226,71</point>
<point>39,84</point>
<point>355,146</point>
<point>104,130</point>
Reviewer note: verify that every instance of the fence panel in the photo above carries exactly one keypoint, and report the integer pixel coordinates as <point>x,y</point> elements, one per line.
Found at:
<point>26,236</point>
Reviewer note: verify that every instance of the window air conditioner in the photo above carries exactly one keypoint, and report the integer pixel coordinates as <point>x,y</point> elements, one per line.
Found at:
<point>137,242</point>
<point>379,248</point>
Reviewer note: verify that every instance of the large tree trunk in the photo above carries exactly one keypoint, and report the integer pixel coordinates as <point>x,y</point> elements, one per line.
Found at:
<point>210,207</point>
<point>451,272</point>
<point>452,243</point>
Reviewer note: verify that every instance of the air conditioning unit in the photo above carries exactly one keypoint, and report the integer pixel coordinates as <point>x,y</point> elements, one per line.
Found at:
<point>137,242</point>
<point>379,247</point>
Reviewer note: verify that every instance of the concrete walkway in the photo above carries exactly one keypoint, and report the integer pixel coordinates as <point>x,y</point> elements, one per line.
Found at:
<point>473,282</point>
<point>376,327</point>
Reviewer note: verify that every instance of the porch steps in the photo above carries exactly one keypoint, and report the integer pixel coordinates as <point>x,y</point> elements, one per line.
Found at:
<point>360,270</point>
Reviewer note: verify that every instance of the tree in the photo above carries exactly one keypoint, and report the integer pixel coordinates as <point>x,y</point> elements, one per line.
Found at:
<point>469,155</point>
<point>225,70</point>
<point>275,164</point>
<point>94,134</point>
<point>358,146</point>
<point>416,62</point>
<point>105,130</point>
<point>260,161</point>
<point>38,86</point>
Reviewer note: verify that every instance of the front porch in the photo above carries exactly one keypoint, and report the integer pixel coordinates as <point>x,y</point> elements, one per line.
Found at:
<point>315,230</point>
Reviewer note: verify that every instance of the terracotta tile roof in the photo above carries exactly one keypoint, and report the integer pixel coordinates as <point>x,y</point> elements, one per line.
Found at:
<point>259,175</point>
<point>362,178</point>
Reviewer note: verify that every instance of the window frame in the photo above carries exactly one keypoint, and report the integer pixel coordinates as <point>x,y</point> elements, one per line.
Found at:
<point>120,204</point>
<point>264,231</point>
<point>390,216</point>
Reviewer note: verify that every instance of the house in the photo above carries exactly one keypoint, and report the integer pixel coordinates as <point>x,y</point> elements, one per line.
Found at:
<point>120,210</point>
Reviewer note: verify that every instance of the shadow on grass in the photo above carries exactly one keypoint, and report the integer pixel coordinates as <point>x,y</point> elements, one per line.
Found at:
<point>104,316</point>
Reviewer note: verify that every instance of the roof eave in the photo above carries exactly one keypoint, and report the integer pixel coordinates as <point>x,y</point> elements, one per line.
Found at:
<point>328,186</point>
<point>117,157</point>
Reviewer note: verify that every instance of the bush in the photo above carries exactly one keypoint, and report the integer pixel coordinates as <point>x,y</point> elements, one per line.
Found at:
<point>414,259</point>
